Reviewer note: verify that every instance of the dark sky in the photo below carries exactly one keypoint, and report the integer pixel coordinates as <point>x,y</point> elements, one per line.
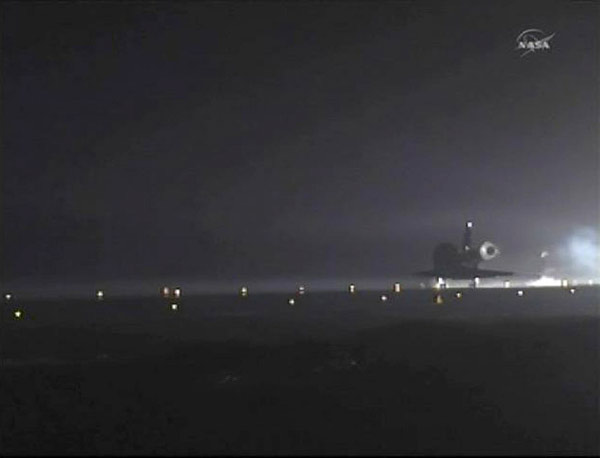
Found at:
<point>291,138</point>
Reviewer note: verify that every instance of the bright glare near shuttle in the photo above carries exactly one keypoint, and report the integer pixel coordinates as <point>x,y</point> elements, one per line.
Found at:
<point>440,283</point>
<point>507,283</point>
<point>545,281</point>
<point>458,295</point>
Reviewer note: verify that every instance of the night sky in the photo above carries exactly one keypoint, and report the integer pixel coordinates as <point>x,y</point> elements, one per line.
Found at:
<point>226,140</point>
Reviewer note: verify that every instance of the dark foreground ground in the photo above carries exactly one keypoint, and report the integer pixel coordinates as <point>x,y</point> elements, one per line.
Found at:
<point>491,373</point>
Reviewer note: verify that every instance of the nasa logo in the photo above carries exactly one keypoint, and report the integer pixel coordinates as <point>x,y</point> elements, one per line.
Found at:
<point>532,40</point>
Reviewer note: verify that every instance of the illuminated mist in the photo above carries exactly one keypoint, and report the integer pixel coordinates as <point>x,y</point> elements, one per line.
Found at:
<point>580,253</point>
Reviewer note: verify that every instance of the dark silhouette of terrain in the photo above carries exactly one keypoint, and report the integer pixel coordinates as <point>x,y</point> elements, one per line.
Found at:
<point>331,375</point>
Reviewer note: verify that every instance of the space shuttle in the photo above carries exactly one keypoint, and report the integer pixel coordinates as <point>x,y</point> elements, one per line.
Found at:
<point>449,261</point>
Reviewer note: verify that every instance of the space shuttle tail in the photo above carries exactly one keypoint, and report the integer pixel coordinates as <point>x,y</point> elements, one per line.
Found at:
<point>466,245</point>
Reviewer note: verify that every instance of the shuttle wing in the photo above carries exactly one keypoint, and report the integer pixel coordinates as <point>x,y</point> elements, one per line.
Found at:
<point>464,273</point>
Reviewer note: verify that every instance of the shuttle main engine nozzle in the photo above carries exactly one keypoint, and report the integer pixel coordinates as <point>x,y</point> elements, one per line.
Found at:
<point>487,251</point>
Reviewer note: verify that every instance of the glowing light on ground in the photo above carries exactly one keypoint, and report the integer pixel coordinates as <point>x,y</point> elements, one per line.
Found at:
<point>301,290</point>
<point>291,301</point>
<point>572,290</point>
<point>545,282</point>
<point>438,299</point>
<point>174,307</point>
<point>18,314</point>
<point>384,298</point>
<point>8,296</point>
<point>397,287</point>
<point>99,294</point>
<point>165,291</point>
<point>351,288</point>
<point>243,291</point>
<point>177,292</point>
<point>458,295</point>
<point>520,292</point>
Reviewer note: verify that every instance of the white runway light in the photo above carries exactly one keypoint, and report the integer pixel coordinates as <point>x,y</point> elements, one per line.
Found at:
<point>572,290</point>
<point>243,291</point>
<point>177,293</point>
<point>384,298</point>
<point>520,292</point>
<point>397,288</point>
<point>301,290</point>
<point>351,288</point>
<point>174,307</point>
<point>165,291</point>
<point>99,294</point>
<point>291,301</point>
<point>18,314</point>
<point>507,283</point>
<point>8,296</point>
